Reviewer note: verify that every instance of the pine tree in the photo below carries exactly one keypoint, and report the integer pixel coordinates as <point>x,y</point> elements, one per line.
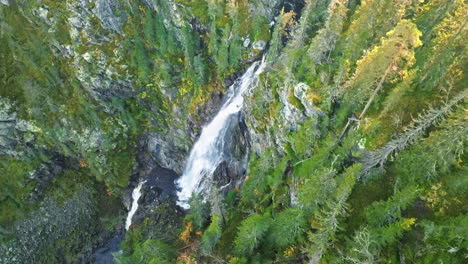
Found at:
<point>199,211</point>
<point>372,20</point>
<point>280,32</point>
<point>287,228</point>
<point>395,53</point>
<point>442,149</point>
<point>443,49</point>
<point>386,212</point>
<point>444,240</point>
<point>363,250</point>
<point>308,21</point>
<point>148,29</point>
<point>430,118</point>
<point>326,38</point>
<point>251,232</point>
<point>211,235</point>
<point>327,221</point>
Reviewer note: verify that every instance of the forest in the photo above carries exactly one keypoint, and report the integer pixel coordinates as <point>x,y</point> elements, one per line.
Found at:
<point>349,145</point>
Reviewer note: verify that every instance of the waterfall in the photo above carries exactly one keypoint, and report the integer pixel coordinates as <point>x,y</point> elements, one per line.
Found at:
<point>207,152</point>
<point>136,194</point>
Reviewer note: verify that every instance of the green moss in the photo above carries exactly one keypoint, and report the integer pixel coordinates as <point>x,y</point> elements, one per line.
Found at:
<point>15,189</point>
<point>294,100</point>
<point>64,186</point>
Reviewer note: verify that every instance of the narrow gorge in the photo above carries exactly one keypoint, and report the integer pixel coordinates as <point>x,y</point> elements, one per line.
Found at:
<point>214,145</point>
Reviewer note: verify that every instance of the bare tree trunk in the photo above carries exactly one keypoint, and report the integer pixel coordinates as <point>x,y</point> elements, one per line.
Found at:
<point>371,99</point>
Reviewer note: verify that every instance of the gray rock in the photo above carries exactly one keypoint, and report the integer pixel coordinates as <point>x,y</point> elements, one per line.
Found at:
<point>265,8</point>
<point>259,45</point>
<point>43,12</point>
<point>157,150</point>
<point>105,10</point>
<point>150,3</point>
<point>47,225</point>
<point>300,91</point>
<point>291,115</point>
<point>246,42</point>
<point>15,133</point>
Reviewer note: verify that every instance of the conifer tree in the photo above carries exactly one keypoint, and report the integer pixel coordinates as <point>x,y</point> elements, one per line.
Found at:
<point>412,133</point>
<point>372,20</point>
<point>287,227</point>
<point>328,219</point>
<point>309,20</point>
<point>442,149</point>
<point>251,232</point>
<point>324,42</point>
<point>391,58</point>
<point>386,212</point>
<point>211,235</point>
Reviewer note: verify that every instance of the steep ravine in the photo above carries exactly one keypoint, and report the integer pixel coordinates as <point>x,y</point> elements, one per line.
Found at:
<point>215,144</point>
<point>219,155</point>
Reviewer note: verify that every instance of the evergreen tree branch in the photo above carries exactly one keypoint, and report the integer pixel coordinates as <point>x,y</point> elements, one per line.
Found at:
<point>409,136</point>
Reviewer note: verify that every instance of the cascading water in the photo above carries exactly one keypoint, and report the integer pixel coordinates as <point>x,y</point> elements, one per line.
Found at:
<point>136,194</point>
<point>207,153</point>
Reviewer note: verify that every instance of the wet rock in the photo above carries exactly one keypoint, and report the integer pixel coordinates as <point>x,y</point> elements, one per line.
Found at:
<point>157,205</point>
<point>232,170</point>
<point>206,112</point>
<point>104,255</point>
<point>161,180</point>
<point>163,221</point>
<point>159,187</point>
<point>293,5</point>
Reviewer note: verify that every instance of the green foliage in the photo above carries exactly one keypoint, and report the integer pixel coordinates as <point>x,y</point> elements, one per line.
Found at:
<point>151,251</point>
<point>382,63</point>
<point>326,38</point>
<point>251,233</point>
<point>442,150</point>
<point>199,211</point>
<point>369,23</point>
<point>15,188</point>
<point>211,235</point>
<point>140,60</point>
<point>287,228</point>
<point>256,182</point>
<point>445,240</point>
<point>305,139</point>
<point>385,212</point>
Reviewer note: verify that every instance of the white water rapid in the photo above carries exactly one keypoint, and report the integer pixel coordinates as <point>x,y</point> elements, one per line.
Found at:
<point>207,152</point>
<point>136,194</point>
